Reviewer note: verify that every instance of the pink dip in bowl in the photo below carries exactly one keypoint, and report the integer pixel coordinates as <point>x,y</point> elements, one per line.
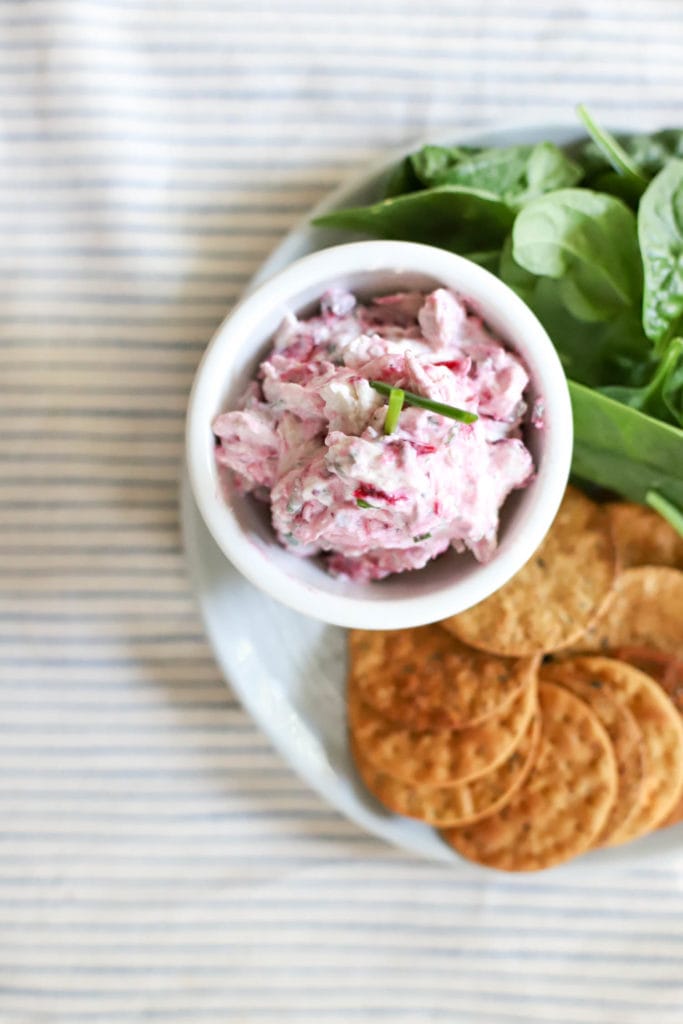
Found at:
<point>308,436</point>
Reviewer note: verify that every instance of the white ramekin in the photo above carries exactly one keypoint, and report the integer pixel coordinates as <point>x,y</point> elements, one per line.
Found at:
<point>241,526</point>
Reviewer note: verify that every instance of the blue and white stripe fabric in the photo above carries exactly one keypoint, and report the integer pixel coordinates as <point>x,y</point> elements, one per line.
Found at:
<point>158,862</point>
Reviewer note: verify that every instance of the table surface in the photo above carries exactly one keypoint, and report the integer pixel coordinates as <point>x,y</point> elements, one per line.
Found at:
<point>157,860</point>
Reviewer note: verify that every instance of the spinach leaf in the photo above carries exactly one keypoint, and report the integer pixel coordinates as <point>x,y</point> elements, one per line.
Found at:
<point>666,509</point>
<point>516,174</point>
<point>672,387</point>
<point>586,240</point>
<point>518,278</point>
<point>432,165</point>
<point>617,185</point>
<point>493,170</point>
<point>660,233</point>
<point>649,153</point>
<point>652,152</point>
<point>456,218</point>
<point>616,155</point>
<point>623,449</point>
<point>591,353</point>
<point>549,169</point>
<point>487,258</point>
<point>402,179</point>
<point>662,395</point>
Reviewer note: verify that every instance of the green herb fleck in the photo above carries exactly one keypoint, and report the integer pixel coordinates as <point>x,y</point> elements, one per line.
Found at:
<point>363,504</point>
<point>421,536</point>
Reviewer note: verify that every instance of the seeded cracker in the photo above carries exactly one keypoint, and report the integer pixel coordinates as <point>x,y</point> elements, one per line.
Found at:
<point>556,595</point>
<point>645,610</point>
<point>663,668</point>
<point>643,537</point>
<point>671,680</point>
<point>463,802</point>
<point>563,805</point>
<point>662,731</point>
<point>642,624</point>
<point>443,757</point>
<point>624,732</point>
<point>668,672</point>
<point>425,679</point>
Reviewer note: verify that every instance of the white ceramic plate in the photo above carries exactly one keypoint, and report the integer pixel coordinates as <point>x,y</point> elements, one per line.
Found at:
<point>289,671</point>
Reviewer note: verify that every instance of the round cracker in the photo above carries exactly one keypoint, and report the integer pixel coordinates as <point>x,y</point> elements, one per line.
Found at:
<point>662,731</point>
<point>563,805</point>
<point>469,801</point>
<point>425,679</point>
<point>643,537</point>
<point>670,678</point>
<point>443,757</point>
<point>664,669</point>
<point>674,817</point>
<point>556,595</point>
<point>625,735</point>
<point>668,673</point>
<point>644,610</point>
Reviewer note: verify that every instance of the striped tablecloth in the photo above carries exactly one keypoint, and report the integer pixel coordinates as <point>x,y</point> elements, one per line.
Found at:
<point>157,861</point>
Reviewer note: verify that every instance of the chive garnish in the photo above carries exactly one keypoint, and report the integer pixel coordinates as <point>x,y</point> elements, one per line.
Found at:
<point>363,504</point>
<point>421,536</point>
<point>396,400</point>
<point>426,403</point>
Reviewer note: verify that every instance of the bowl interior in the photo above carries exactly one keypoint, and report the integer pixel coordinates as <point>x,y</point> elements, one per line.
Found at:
<point>238,366</point>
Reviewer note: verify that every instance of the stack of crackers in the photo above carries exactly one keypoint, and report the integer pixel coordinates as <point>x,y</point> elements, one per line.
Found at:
<point>547,720</point>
